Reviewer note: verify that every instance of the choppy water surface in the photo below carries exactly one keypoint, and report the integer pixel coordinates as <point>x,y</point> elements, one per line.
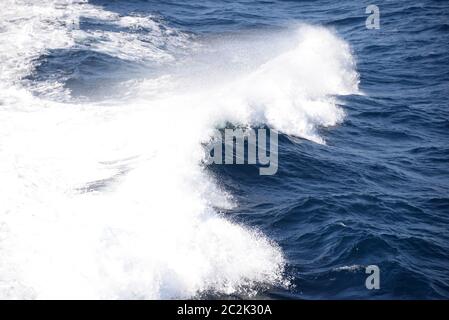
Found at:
<point>105,106</point>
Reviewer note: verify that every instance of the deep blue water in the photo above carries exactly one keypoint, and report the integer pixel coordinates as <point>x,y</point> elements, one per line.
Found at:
<point>377,192</point>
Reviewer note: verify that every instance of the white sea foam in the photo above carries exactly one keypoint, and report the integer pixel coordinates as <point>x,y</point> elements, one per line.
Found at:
<point>110,200</point>
<point>352,268</point>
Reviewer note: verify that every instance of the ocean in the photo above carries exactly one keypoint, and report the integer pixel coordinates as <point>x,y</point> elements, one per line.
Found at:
<point>105,110</point>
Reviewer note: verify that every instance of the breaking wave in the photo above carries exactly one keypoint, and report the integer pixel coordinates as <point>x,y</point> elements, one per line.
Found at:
<point>108,199</point>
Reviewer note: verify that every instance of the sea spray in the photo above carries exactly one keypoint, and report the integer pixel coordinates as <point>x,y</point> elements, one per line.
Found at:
<point>111,199</point>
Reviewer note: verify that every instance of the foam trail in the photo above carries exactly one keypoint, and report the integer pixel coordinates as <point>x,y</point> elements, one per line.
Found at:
<point>110,200</point>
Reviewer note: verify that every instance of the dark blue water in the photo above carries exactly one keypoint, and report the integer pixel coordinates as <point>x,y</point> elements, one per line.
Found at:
<point>378,192</point>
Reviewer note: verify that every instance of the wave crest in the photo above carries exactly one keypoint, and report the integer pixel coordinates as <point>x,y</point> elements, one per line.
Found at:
<point>109,199</point>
